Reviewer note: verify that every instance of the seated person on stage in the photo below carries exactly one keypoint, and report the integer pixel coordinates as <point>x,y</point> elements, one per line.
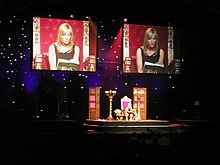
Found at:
<point>130,113</point>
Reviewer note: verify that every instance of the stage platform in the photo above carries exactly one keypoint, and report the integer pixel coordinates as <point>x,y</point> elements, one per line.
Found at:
<point>142,126</point>
<point>51,127</point>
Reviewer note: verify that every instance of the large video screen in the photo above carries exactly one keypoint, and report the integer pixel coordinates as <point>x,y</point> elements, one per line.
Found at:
<point>64,45</point>
<point>149,49</point>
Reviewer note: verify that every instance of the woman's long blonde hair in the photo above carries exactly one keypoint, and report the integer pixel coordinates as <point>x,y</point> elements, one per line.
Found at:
<point>64,28</point>
<point>150,33</point>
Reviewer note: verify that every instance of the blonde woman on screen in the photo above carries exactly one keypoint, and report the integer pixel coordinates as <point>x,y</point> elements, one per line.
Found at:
<point>64,54</point>
<point>149,52</point>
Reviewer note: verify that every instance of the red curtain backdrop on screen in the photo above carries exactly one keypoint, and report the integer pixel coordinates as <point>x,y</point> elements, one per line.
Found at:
<point>48,34</point>
<point>136,37</point>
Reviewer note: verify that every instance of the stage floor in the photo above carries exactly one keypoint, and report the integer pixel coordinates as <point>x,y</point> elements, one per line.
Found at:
<point>142,126</point>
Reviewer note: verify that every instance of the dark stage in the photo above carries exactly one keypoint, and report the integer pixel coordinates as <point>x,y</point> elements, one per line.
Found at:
<point>103,126</point>
<point>142,126</point>
<point>106,126</point>
<point>49,128</point>
<point>116,127</point>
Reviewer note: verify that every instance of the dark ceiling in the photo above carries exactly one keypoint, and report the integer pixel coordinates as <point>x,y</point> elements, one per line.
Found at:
<point>167,10</point>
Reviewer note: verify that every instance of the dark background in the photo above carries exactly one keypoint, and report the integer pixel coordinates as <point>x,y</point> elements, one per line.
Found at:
<point>168,95</point>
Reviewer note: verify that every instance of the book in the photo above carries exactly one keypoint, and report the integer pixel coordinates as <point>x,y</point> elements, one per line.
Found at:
<point>150,67</point>
<point>68,65</point>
